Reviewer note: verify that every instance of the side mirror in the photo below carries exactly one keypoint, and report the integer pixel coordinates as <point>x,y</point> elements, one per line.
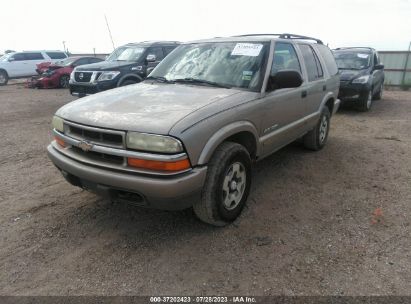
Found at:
<point>379,66</point>
<point>284,79</point>
<point>11,59</point>
<point>151,58</point>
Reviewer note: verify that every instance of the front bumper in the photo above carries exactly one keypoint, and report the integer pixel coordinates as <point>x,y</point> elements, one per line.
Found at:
<point>88,88</point>
<point>353,91</point>
<point>164,192</point>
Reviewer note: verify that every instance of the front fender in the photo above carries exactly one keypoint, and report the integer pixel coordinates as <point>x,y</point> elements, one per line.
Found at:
<point>328,96</point>
<point>225,132</point>
<point>130,75</point>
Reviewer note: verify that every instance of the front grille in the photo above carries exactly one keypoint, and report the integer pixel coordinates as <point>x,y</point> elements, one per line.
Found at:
<point>108,158</point>
<point>98,136</point>
<point>82,76</point>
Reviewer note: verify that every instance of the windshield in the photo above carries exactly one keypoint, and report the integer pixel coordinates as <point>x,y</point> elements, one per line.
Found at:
<point>230,64</point>
<point>349,60</point>
<point>126,53</point>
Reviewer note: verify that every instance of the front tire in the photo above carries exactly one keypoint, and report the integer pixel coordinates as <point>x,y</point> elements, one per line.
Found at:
<point>64,81</point>
<point>316,138</point>
<point>378,96</point>
<point>4,78</point>
<point>227,185</point>
<point>127,82</point>
<point>366,102</point>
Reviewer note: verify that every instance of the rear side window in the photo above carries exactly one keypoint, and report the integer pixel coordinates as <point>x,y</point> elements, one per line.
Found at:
<point>328,58</point>
<point>34,56</point>
<point>314,69</point>
<point>285,58</point>
<point>56,55</point>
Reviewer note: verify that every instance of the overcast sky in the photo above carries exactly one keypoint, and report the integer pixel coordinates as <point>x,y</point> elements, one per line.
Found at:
<point>44,24</point>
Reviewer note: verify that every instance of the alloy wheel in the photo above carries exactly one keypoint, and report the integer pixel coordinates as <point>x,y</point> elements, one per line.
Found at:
<point>234,185</point>
<point>323,129</point>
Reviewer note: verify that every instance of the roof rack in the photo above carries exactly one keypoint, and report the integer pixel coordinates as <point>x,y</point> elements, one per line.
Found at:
<point>285,36</point>
<point>355,47</point>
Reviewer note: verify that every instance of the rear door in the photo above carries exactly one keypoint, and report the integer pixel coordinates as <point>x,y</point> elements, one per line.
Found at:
<point>283,108</point>
<point>315,82</point>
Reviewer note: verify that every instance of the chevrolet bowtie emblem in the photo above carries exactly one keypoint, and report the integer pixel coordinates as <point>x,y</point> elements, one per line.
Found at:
<point>85,146</point>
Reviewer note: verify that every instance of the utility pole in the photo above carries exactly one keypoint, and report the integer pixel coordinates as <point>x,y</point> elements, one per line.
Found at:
<point>109,32</point>
<point>64,46</point>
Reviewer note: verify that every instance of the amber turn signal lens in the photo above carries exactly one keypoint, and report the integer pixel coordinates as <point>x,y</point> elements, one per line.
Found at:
<point>159,165</point>
<point>60,141</point>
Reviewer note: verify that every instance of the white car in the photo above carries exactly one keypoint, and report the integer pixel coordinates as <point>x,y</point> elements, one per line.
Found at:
<point>23,64</point>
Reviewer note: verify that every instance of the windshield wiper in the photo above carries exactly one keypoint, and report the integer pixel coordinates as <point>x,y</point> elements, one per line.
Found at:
<point>201,81</point>
<point>159,79</point>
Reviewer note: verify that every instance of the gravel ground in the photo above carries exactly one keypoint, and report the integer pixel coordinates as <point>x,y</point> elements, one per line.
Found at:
<point>334,222</point>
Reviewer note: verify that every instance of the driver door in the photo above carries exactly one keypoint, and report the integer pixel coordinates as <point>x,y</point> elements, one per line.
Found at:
<point>283,108</point>
<point>17,65</point>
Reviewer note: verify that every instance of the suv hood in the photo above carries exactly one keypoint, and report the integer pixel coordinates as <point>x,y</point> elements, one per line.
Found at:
<point>348,75</point>
<point>105,66</point>
<point>144,107</point>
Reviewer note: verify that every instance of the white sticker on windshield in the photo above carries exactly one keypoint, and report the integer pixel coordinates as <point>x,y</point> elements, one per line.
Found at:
<point>363,55</point>
<point>247,49</point>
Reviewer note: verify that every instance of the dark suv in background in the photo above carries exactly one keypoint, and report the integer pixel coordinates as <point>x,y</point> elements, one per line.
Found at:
<point>127,65</point>
<point>362,76</point>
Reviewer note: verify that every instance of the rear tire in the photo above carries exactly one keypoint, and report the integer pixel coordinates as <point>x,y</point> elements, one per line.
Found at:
<point>227,185</point>
<point>316,138</point>
<point>4,78</point>
<point>64,81</point>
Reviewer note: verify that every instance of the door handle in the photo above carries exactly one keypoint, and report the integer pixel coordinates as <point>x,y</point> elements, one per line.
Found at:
<point>324,87</point>
<point>304,94</point>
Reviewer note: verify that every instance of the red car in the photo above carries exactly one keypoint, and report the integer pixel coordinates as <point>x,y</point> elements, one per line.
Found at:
<point>57,75</point>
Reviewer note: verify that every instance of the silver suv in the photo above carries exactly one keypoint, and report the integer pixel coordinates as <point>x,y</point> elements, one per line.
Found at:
<point>189,134</point>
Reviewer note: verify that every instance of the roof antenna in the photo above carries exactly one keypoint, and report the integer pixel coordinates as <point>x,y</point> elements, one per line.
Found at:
<point>109,32</point>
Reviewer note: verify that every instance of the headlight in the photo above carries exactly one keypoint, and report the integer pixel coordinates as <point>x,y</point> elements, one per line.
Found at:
<point>49,73</point>
<point>58,123</point>
<point>72,75</point>
<point>153,143</point>
<point>362,79</point>
<point>108,75</point>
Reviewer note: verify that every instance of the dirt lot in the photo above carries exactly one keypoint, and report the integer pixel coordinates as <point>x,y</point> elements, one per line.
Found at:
<point>332,222</point>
